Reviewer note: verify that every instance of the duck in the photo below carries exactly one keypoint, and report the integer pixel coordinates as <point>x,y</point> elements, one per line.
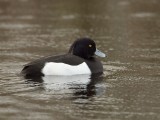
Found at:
<point>80,59</point>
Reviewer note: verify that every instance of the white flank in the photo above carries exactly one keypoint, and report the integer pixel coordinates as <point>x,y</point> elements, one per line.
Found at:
<point>52,68</point>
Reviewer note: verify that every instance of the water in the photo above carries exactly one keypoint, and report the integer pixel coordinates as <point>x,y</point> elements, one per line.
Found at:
<point>126,30</point>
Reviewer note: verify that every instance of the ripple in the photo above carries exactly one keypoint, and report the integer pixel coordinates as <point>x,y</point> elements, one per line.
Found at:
<point>68,17</point>
<point>15,26</point>
<point>143,15</point>
<point>111,68</point>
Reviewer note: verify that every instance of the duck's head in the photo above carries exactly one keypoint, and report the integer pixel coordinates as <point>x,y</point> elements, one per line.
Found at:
<point>85,48</point>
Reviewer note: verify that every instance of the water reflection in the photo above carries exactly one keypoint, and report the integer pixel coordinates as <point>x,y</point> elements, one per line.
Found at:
<point>81,86</point>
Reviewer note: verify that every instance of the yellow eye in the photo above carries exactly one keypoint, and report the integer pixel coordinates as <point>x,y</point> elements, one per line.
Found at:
<point>90,45</point>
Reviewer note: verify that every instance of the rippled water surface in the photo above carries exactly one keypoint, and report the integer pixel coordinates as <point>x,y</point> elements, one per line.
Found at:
<point>128,31</point>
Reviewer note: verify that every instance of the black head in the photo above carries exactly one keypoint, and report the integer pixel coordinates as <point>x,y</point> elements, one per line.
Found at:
<point>83,47</point>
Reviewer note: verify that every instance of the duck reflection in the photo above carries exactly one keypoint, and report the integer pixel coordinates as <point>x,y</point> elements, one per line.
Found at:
<point>82,86</point>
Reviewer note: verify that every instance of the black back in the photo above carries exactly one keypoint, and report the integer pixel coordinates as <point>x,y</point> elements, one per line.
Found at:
<point>82,50</point>
<point>34,68</point>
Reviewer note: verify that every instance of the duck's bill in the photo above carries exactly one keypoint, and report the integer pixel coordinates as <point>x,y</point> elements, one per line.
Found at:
<point>99,53</point>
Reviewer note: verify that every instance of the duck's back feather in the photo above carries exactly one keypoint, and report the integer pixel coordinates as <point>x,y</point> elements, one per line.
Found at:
<point>35,68</point>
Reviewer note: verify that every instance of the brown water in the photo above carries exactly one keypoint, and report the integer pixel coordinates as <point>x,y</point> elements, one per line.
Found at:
<point>127,30</point>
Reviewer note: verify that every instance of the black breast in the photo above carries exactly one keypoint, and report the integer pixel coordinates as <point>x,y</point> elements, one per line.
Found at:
<point>95,65</point>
